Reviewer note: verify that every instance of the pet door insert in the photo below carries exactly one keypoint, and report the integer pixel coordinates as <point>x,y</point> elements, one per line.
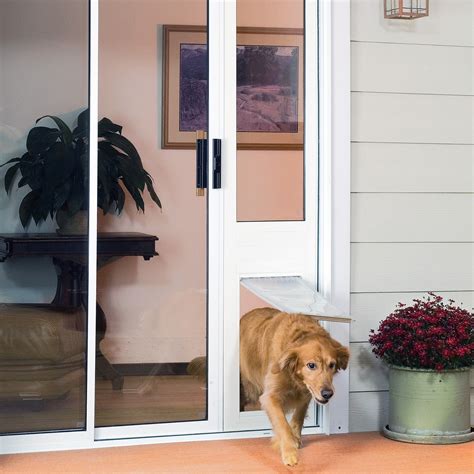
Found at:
<point>292,294</point>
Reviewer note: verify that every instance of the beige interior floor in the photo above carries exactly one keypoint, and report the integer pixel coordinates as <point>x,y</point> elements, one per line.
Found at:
<point>144,399</point>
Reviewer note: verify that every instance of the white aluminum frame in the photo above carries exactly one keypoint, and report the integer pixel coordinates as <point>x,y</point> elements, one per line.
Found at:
<point>282,248</point>
<point>335,171</point>
<point>334,230</point>
<point>78,439</point>
<point>215,231</point>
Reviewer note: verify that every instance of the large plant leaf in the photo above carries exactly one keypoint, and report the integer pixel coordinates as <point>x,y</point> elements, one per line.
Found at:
<point>103,178</point>
<point>128,171</point>
<point>76,196</point>
<point>151,190</point>
<point>13,160</point>
<point>82,129</point>
<point>66,134</point>
<point>41,138</point>
<point>125,145</point>
<point>120,199</point>
<point>10,175</point>
<point>106,125</point>
<point>23,181</point>
<point>27,162</point>
<point>41,209</point>
<point>26,207</point>
<point>61,194</point>
<point>135,193</point>
<point>58,165</point>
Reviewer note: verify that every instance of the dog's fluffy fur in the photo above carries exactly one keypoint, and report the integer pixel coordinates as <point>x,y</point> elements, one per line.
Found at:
<point>276,352</point>
<point>285,360</point>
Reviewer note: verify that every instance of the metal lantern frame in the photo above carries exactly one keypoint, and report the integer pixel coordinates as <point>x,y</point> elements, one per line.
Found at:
<point>406,9</point>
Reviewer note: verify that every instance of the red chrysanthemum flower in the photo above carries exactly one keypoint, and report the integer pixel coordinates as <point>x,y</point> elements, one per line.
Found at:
<point>429,334</point>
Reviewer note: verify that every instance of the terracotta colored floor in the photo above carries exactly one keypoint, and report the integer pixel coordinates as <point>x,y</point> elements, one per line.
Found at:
<point>354,453</point>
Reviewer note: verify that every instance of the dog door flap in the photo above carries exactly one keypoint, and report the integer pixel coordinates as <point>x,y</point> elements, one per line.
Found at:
<point>292,294</point>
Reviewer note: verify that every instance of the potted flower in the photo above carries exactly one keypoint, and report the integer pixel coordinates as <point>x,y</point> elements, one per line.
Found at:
<point>428,347</point>
<point>56,169</point>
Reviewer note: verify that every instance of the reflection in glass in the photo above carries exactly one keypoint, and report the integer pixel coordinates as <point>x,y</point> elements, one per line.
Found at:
<point>154,307</point>
<point>43,217</point>
<point>270,110</point>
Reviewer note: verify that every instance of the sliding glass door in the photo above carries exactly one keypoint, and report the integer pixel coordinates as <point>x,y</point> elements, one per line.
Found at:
<point>152,288</point>
<point>181,216</point>
<point>44,195</point>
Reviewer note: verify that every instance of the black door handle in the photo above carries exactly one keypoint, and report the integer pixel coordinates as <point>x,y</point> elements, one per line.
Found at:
<point>216,163</point>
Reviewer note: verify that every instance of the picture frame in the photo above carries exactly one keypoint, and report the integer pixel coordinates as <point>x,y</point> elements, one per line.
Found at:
<point>270,87</point>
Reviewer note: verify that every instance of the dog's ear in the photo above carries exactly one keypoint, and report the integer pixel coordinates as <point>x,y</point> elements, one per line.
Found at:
<point>287,361</point>
<point>342,358</point>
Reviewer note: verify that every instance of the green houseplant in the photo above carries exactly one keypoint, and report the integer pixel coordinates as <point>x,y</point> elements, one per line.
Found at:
<point>429,348</point>
<point>55,168</point>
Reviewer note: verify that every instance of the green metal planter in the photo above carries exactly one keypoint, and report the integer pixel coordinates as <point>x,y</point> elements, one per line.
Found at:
<point>429,407</point>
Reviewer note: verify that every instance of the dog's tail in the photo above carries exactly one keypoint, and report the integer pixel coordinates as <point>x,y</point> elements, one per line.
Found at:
<point>198,368</point>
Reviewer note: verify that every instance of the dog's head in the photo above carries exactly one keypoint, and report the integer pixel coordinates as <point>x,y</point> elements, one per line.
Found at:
<point>314,363</point>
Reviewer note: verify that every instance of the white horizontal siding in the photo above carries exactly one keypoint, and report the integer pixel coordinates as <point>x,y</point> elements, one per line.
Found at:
<point>412,217</point>
<point>402,267</point>
<point>412,168</point>
<point>368,309</point>
<point>423,69</point>
<point>449,23</point>
<point>398,167</point>
<point>409,118</point>
<point>369,411</point>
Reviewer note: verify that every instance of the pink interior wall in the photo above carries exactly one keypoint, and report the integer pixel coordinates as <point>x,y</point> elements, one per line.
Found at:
<point>249,301</point>
<point>156,309</point>
<point>270,182</point>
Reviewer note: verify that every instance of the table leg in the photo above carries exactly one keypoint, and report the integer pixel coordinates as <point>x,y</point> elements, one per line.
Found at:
<point>103,366</point>
<point>70,291</point>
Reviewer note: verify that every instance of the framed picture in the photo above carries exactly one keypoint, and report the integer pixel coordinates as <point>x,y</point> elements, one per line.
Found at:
<point>269,91</point>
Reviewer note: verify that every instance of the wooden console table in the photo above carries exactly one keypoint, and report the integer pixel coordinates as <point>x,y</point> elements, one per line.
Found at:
<point>69,255</point>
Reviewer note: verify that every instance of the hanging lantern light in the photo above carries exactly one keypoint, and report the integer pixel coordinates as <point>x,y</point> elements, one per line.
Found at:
<point>406,9</point>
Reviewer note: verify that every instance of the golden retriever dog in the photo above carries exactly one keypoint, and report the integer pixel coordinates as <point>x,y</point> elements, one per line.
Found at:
<point>285,361</point>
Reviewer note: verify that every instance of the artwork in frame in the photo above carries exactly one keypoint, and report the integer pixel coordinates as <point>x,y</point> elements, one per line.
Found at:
<point>269,91</point>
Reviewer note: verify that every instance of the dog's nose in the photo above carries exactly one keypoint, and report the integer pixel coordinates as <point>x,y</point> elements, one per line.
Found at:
<point>327,394</point>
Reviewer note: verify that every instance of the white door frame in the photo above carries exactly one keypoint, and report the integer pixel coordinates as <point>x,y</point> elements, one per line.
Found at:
<point>215,231</point>
<point>78,439</point>
<point>335,186</point>
<point>253,249</point>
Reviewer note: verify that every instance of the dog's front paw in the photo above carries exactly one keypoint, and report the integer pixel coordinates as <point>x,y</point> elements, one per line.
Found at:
<point>290,457</point>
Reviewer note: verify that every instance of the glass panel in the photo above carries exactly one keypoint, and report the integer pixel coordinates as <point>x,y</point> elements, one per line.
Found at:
<point>270,110</point>
<point>43,218</point>
<point>153,82</point>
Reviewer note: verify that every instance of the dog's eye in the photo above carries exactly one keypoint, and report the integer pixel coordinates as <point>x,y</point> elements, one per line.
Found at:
<point>311,365</point>
<point>332,365</point>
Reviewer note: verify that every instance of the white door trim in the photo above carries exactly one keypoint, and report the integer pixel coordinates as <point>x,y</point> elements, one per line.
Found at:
<point>334,165</point>
<point>266,248</point>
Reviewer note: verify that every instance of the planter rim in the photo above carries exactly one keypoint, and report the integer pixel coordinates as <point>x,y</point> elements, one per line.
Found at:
<point>410,369</point>
<point>428,439</point>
